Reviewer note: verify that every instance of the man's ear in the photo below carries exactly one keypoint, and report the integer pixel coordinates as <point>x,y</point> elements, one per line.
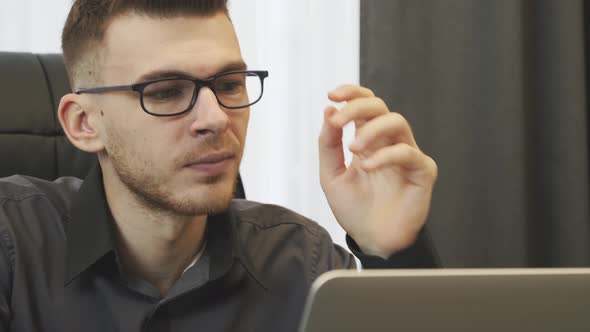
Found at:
<point>77,124</point>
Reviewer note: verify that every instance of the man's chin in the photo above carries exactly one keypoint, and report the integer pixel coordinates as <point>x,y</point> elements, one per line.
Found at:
<point>210,207</point>
<point>195,200</point>
<point>215,198</point>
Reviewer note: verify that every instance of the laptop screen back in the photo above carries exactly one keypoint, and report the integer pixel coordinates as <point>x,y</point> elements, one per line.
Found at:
<point>461,300</point>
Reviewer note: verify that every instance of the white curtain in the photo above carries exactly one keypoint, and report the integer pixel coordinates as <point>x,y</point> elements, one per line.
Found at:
<point>32,25</point>
<point>309,47</point>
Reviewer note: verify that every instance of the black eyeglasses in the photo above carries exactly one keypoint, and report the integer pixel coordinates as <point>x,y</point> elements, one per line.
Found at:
<point>177,95</point>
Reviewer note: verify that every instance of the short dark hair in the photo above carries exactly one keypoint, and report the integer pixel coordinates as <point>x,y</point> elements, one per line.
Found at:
<point>88,20</point>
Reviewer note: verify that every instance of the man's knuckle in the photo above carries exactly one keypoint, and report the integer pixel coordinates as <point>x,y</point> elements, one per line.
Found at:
<point>433,167</point>
<point>379,103</point>
<point>368,91</point>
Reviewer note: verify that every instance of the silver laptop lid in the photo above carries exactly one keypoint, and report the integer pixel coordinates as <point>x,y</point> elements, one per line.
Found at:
<point>458,300</point>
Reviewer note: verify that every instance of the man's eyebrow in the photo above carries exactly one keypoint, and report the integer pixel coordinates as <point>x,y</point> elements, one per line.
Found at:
<point>167,73</point>
<point>240,65</point>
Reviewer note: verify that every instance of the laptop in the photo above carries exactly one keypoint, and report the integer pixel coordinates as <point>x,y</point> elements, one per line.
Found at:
<point>458,300</point>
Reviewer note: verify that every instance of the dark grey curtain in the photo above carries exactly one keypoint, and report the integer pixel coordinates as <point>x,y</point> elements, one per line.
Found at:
<point>496,92</point>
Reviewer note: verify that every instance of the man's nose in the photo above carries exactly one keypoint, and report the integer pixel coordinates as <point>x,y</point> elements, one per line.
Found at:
<point>208,116</point>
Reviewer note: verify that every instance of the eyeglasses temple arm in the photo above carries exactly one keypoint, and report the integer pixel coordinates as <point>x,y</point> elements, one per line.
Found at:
<point>105,89</point>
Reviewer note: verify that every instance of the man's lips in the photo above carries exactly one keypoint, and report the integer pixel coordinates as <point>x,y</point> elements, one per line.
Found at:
<point>213,164</point>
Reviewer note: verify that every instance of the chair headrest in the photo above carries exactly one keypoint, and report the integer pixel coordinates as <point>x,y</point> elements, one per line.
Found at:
<point>31,140</point>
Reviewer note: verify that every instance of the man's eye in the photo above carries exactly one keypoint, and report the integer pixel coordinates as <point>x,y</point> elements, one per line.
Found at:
<point>163,94</point>
<point>229,86</point>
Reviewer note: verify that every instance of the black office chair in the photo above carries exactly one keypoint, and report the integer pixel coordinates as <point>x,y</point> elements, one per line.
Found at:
<point>31,139</point>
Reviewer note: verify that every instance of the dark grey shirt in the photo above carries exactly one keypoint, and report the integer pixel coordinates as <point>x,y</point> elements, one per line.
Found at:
<point>59,269</point>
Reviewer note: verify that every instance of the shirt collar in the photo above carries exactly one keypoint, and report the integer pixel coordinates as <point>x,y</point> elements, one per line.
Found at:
<point>225,247</point>
<point>90,234</point>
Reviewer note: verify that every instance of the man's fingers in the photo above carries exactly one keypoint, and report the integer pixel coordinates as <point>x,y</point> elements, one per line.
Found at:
<point>401,155</point>
<point>330,148</point>
<point>392,128</point>
<point>360,110</point>
<point>349,92</point>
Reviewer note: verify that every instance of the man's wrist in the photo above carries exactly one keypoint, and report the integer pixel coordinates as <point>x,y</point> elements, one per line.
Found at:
<point>420,254</point>
<point>383,248</point>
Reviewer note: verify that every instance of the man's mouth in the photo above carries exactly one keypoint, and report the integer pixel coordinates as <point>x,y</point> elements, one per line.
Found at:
<point>214,163</point>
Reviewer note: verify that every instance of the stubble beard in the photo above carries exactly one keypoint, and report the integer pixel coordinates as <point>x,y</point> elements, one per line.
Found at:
<point>152,192</point>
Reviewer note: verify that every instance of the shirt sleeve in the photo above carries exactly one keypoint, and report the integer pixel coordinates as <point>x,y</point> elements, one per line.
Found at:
<point>5,282</point>
<point>420,255</point>
<point>328,256</point>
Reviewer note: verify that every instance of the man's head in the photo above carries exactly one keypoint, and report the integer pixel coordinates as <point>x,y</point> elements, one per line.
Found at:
<point>87,23</point>
<point>184,164</point>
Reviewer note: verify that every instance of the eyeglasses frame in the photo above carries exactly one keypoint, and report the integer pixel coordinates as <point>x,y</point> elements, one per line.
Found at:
<point>199,83</point>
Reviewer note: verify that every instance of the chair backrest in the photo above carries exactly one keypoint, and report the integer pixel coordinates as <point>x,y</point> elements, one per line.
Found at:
<point>32,141</point>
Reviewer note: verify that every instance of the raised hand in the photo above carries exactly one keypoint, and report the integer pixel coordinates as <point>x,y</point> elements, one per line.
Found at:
<point>383,197</point>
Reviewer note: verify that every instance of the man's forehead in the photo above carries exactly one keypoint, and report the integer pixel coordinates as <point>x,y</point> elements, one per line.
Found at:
<point>138,45</point>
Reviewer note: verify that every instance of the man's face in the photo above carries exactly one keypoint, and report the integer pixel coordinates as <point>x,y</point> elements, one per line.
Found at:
<point>171,163</point>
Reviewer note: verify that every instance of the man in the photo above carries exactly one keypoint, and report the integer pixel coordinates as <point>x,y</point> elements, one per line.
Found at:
<point>151,240</point>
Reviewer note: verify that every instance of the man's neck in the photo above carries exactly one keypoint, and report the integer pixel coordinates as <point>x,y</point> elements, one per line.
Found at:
<point>158,251</point>
<point>155,246</point>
